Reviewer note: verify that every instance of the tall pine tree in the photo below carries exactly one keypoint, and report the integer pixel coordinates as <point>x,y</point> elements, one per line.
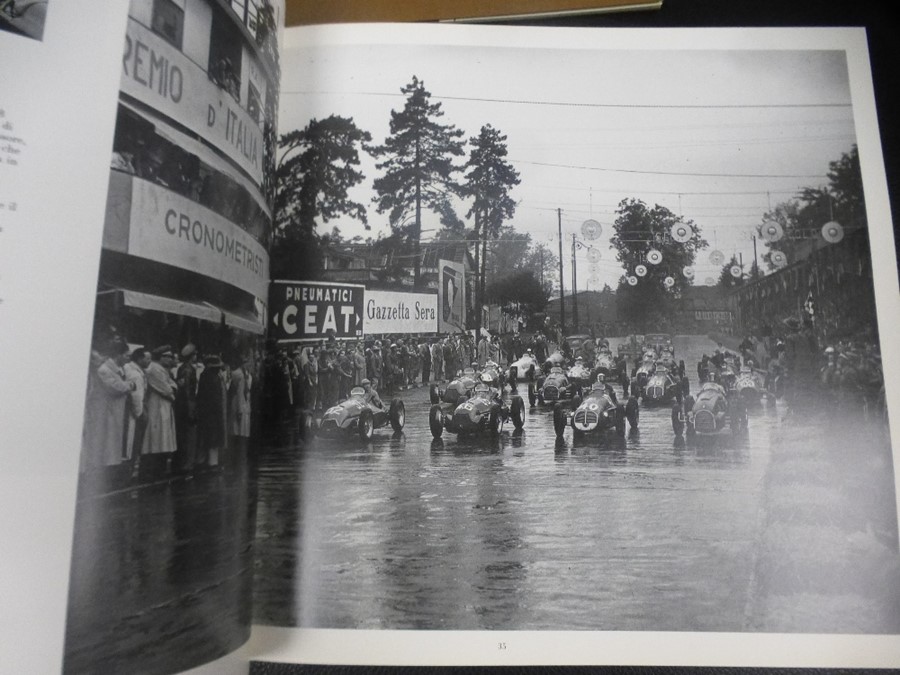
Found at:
<point>417,160</point>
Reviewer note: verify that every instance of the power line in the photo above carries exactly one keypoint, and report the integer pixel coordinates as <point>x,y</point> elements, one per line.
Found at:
<point>580,104</point>
<point>667,173</point>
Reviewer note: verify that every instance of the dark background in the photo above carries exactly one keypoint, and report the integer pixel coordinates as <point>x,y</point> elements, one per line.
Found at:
<point>879,20</point>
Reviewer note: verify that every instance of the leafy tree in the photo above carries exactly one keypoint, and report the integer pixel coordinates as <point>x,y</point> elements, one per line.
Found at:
<point>316,170</point>
<point>803,216</point>
<point>726,279</point>
<point>637,230</point>
<point>489,180</point>
<point>418,168</point>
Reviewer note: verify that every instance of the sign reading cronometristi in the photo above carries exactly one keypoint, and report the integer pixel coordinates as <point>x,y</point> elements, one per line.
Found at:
<point>397,312</point>
<point>313,310</point>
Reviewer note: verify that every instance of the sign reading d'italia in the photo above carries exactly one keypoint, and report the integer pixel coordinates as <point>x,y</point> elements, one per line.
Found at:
<point>313,310</point>
<point>398,312</point>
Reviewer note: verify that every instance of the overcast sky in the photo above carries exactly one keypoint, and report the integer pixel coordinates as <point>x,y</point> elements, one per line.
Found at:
<point>717,135</point>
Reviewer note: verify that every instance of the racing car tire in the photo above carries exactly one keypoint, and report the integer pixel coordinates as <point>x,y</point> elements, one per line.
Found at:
<point>685,386</point>
<point>365,427</point>
<point>632,413</point>
<point>434,394</point>
<point>436,421</point>
<point>576,401</point>
<point>517,411</point>
<point>738,417</point>
<point>397,414</point>
<point>677,424</point>
<point>495,421</point>
<point>620,420</point>
<point>532,394</point>
<point>559,420</point>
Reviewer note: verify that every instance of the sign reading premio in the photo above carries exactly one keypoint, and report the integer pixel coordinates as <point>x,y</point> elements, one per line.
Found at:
<point>312,310</point>
<point>393,312</point>
<point>157,74</point>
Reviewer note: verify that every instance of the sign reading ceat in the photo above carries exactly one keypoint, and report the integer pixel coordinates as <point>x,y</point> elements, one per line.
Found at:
<point>313,310</point>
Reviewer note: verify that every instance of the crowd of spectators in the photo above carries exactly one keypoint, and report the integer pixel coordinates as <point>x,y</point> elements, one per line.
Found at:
<point>152,413</point>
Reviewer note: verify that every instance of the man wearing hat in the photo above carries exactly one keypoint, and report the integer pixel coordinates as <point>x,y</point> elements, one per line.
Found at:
<point>211,407</point>
<point>160,440</point>
<point>377,365</point>
<point>186,409</point>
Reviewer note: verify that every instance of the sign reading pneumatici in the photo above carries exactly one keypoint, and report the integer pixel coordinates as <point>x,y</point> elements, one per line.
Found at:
<point>313,310</point>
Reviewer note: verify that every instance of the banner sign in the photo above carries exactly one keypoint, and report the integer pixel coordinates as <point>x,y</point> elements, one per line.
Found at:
<point>397,312</point>
<point>174,230</point>
<point>451,297</point>
<point>707,315</point>
<point>156,73</point>
<point>313,310</point>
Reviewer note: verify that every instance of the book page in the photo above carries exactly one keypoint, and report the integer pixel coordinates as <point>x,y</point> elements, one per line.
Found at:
<point>171,361</point>
<point>646,421</point>
<point>57,111</point>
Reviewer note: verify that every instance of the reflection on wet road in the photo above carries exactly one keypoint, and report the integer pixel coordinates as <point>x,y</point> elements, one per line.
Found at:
<point>525,532</point>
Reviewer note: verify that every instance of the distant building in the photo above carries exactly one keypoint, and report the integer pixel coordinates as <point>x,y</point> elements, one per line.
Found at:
<point>596,310</point>
<point>703,310</point>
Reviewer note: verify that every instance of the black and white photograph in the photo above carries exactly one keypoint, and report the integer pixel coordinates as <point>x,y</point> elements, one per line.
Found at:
<point>24,17</point>
<point>666,410</point>
<point>453,345</point>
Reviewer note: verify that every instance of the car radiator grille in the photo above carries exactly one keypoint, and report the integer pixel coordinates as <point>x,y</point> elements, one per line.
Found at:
<point>704,421</point>
<point>551,393</point>
<point>585,417</point>
<point>328,424</point>
<point>655,392</point>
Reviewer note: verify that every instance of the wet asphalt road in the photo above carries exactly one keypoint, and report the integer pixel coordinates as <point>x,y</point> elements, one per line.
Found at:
<point>525,532</point>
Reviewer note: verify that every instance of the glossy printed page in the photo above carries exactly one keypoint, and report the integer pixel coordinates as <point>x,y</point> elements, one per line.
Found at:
<point>719,191</point>
<point>162,558</point>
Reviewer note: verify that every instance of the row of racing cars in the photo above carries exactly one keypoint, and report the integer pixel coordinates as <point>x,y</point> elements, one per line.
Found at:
<point>582,397</point>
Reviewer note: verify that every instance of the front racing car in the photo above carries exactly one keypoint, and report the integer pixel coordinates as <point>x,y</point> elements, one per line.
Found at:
<point>484,412</point>
<point>597,413</point>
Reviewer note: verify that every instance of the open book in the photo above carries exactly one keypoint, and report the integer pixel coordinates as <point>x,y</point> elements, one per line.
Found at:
<point>441,345</point>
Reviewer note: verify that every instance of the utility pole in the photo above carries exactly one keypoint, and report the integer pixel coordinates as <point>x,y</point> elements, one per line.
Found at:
<point>755,261</point>
<point>574,290</point>
<point>562,297</point>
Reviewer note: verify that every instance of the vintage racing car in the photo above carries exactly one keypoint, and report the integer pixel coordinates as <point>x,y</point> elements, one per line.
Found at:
<point>632,347</point>
<point>642,374</point>
<point>496,376</point>
<point>555,386</point>
<point>659,342</point>
<point>579,374</point>
<point>750,383</point>
<point>356,415</point>
<point>485,411</point>
<point>664,386</point>
<point>596,413</point>
<point>711,412</point>
<point>457,390</point>
<point>523,369</point>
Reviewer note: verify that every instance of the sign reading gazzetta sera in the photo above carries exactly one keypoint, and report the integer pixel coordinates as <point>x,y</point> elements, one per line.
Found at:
<point>398,312</point>
<point>313,310</point>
